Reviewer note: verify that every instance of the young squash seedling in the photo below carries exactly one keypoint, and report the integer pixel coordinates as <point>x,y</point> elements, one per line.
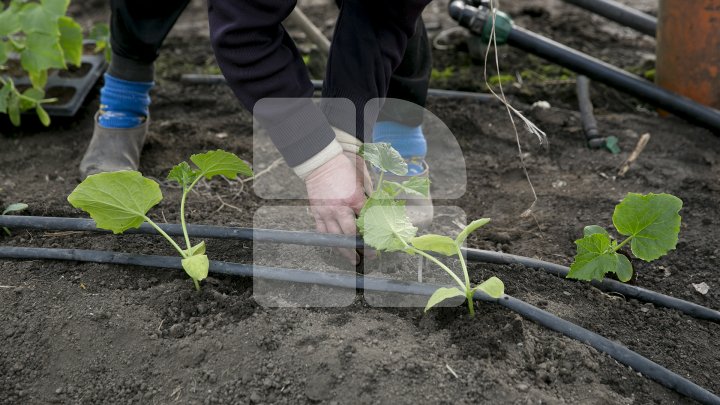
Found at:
<point>650,223</point>
<point>13,208</point>
<point>385,226</point>
<point>41,37</point>
<point>119,201</point>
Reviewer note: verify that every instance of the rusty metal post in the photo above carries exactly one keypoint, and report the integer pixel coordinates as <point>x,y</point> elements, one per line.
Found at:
<point>688,49</point>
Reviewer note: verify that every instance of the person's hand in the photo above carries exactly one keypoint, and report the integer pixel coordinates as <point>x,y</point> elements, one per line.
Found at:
<point>361,171</point>
<point>337,195</point>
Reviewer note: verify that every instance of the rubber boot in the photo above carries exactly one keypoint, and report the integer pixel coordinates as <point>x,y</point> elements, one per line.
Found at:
<point>113,149</point>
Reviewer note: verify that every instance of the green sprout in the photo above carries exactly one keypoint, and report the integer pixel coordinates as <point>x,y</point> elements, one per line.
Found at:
<point>119,201</point>
<point>651,224</point>
<point>13,208</point>
<point>385,226</point>
<point>43,38</point>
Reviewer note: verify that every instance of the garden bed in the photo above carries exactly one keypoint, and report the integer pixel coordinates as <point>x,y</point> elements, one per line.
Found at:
<point>91,333</point>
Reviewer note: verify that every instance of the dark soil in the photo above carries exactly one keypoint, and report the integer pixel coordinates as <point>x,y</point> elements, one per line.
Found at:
<point>76,71</point>
<point>89,333</point>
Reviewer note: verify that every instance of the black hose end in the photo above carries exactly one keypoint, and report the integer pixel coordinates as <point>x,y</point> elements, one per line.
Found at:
<point>596,143</point>
<point>466,16</point>
<point>455,8</point>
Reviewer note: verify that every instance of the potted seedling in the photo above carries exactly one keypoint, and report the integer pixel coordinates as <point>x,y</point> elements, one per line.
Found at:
<point>385,226</point>
<point>119,201</point>
<point>650,224</point>
<point>37,40</point>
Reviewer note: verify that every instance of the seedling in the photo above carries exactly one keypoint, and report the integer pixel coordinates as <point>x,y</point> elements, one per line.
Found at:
<point>100,33</point>
<point>651,224</point>
<point>119,201</point>
<point>13,208</point>
<point>385,226</point>
<point>44,38</point>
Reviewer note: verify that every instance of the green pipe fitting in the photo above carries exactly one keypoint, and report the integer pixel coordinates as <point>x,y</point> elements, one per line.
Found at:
<point>503,27</point>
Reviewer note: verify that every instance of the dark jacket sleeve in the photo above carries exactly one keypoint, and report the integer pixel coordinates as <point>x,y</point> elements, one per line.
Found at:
<point>260,62</point>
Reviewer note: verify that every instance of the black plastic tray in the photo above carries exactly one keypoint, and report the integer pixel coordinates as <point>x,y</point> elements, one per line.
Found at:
<point>80,85</point>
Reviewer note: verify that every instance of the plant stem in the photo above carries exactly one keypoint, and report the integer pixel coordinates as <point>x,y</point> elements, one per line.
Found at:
<point>471,303</point>
<point>380,180</point>
<point>166,236</point>
<point>468,290</point>
<point>439,263</point>
<point>197,285</point>
<point>186,191</point>
<point>464,267</point>
<point>624,242</point>
<point>182,218</point>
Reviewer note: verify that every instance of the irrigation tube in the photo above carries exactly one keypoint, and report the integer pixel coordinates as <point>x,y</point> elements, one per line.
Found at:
<point>328,240</point>
<point>587,117</point>
<point>617,351</point>
<point>191,78</point>
<point>528,41</point>
<point>620,13</point>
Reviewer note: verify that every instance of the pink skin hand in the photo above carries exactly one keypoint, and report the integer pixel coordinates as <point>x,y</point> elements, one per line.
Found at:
<point>336,194</point>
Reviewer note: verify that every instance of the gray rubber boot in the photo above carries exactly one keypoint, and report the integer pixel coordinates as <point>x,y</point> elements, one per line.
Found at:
<point>113,149</point>
<point>419,209</point>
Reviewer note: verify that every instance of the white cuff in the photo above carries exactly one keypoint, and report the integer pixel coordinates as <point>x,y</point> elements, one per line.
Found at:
<point>304,169</point>
<point>348,142</point>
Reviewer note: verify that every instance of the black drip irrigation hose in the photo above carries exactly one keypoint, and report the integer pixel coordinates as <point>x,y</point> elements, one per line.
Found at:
<point>328,240</point>
<point>587,117</point>
<point>191,78</point>
<point>617,351</point>
<point>597,70</point>
<point>620,13</point>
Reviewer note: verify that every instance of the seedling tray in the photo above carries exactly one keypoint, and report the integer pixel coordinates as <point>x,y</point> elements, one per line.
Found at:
<point>70,90</point>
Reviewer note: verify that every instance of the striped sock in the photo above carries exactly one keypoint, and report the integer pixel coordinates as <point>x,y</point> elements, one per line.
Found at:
<point>124,104</point>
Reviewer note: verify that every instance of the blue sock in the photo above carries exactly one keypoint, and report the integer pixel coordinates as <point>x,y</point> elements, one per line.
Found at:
<point>124,104</point>
<point>408,141</point>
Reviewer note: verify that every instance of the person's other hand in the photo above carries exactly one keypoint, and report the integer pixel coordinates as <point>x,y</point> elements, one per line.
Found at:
<point>337,195</point>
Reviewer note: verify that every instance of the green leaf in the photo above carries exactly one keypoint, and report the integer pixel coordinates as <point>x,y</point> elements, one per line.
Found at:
<point>417,186</point>
<point>42,52</point>
<point>220,162</point>
<point>14,108</point>
<point>42,115</point>
<point>9,21</point>
<point>56,7</point>
<point>442,294</point>
<point>383,157</point>
<point>183,174</point>
<point>4,51</point>
<point>196,267</point>
<point>435,243</point>
<point>71,40</point>
<point>378,197</point>
<point>38,79</point>
<point>493,287</point>
<point>4,97</point>
<point>33,94</point>
<point>117,201</point>
<point>624,269</point>
<point>653,222</point>
<point>35,18</point>
<point>16,207</point>
<point>387,227</point>
<point>196,250</point>
<point>472,226</point>
<point>596,257</point>
<point>100,33</point>
<point>593,229</point>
